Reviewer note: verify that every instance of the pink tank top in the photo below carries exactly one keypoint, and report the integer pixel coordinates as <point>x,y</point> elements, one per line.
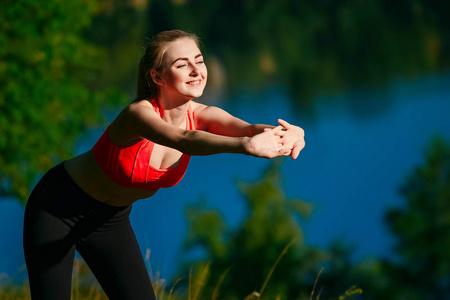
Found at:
<point>129,166</point>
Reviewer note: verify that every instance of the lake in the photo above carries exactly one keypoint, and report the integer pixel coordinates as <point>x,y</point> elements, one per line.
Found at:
<point>360,146</point>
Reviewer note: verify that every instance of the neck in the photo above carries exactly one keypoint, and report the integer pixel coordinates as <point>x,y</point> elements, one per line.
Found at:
<point>173,110</point>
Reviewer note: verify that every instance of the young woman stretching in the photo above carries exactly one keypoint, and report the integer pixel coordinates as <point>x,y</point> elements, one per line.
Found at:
<point>84,203</point>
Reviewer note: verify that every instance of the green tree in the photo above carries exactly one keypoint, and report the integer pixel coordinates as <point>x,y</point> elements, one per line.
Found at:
<point>50,93</point>
<point>422,230</point>
<point>242,259</point>
<point>314,47</point>
<point>422,226</point>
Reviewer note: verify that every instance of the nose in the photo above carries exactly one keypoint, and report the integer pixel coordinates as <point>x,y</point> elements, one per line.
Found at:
<point>194,69</point>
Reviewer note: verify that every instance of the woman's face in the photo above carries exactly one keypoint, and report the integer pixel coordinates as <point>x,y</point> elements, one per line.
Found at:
<point>184,71</point>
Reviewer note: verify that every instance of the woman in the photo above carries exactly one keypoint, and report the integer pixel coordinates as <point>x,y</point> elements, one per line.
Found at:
<point>84,203</point>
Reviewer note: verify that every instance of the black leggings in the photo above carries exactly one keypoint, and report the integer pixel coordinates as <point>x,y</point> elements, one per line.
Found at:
<point>59,218</point>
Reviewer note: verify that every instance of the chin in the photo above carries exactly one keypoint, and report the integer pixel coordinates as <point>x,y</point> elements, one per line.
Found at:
<point>196,94</point>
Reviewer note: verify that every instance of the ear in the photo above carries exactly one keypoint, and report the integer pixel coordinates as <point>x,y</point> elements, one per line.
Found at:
<point>156,77</point>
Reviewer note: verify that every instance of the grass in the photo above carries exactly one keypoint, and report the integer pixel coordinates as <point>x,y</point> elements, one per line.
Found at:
<point>84,286</point>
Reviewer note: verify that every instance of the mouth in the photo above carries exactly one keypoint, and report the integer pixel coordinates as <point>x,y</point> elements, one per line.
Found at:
<point>194,82</point>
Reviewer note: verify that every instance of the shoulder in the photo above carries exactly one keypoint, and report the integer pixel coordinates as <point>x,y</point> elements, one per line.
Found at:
<point>139,105</point>
<point>210,118</point>
<point>197,108</point>
<point>131,118</point>
<point>203,111</point>
<point>140,109</point>
<point>203,114</point>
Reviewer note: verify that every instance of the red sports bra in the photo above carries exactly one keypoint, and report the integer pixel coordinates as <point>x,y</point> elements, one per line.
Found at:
<point>129,166</point>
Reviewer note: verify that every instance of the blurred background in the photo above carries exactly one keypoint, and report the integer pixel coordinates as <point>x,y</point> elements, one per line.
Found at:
<point>367,201</point>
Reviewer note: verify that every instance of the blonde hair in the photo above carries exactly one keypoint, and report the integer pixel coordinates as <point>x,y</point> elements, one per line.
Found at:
<point>153,58</point>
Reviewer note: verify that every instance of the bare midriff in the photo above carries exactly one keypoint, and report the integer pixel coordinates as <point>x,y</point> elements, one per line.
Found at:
<point>86,173</point>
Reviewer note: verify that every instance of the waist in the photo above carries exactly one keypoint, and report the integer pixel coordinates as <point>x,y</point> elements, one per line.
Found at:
<point>86,173</point>
<point>58,194</point>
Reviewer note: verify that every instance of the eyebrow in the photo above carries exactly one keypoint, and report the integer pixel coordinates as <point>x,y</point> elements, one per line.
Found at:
<point>185,58</point>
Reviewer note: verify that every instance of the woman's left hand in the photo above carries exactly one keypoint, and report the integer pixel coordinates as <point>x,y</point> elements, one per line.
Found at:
<point>292,138</point>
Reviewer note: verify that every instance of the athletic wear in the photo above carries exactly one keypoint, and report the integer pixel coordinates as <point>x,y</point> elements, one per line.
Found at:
<point>59,218</point>
<point>129,166</point>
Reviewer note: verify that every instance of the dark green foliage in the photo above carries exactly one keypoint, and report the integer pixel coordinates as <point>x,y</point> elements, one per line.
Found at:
<point>241,259</point>
<point>315,47</point>
<point>422,227</point>
<point>422,231</point>
<point>53,76</point>
<point>245,256</point>
<point>49,96</point>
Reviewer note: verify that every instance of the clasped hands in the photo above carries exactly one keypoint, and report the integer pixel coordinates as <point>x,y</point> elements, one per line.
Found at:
<point>292,139</point>
<point>283,140</point>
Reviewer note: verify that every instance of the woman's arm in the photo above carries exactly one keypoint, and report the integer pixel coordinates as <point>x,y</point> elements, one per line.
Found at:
<point>216,120</point>
<point>143,121</point>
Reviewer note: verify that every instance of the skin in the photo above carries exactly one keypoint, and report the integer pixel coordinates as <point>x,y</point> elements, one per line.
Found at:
<point>182,79</point>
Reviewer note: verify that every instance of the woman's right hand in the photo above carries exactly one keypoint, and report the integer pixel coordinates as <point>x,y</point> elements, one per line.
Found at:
<point>293,138</point>
<point>267,144</point>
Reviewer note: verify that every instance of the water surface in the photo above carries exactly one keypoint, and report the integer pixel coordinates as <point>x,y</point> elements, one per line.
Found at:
<point>361,145</point>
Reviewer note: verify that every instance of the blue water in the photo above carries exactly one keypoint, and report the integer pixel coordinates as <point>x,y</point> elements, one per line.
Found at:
<point>360,146</point>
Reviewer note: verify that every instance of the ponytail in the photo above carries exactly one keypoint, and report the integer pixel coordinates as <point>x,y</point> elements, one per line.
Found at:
<point>146,88</point>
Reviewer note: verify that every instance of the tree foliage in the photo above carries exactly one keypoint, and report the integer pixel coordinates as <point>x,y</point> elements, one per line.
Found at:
<point>53,75</point>
<point>422,227</point>
<point>314,46</point>
<point>49,95</point>
<point>242,259</point>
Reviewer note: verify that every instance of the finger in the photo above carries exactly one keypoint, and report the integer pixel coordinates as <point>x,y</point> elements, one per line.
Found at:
<point>284,123</point>
<point>284,152</point>
<point>295,152</point>
<point>277,129</point>
<point>280,134</point>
